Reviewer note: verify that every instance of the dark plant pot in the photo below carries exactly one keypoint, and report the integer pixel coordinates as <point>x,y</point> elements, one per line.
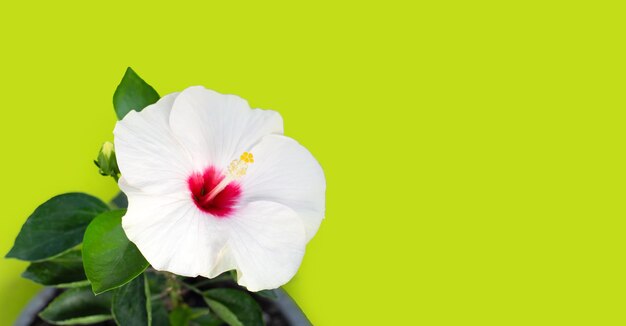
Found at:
<point>280,311</point>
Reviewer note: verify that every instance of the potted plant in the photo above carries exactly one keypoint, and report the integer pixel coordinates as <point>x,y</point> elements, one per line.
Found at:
<point>215,210</point>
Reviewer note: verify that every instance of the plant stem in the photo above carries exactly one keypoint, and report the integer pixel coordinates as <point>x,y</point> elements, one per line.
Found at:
<point>192,288</point>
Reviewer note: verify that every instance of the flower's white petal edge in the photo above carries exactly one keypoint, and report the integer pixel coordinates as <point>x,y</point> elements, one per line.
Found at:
<point>217,128</point>
<point>173,234</point>
<point>267,242</point>
<point>148,155</point>
<point>285,172</point>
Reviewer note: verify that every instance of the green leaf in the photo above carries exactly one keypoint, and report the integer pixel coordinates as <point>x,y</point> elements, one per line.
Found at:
<point>180,316</point>
<point>63,271</point>
<point>224,313</point>
<point>78,306</point>
<point>157,283</point>
<point>133,93</point>
<point>158,287</point>
<point>56,226</point>
<point>203,317</point>
<point>234,307</point>
<point>110,259</point>
<point>131,303</point>
<point>159,313</point>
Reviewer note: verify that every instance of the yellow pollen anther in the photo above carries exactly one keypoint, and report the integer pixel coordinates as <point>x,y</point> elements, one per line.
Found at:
<point>247,157</point>
<point>238,168</point>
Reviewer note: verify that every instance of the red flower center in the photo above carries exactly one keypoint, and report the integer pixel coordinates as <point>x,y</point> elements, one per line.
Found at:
<point>221,204</point>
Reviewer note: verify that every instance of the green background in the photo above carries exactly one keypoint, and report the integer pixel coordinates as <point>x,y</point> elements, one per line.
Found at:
<point>473,150</point>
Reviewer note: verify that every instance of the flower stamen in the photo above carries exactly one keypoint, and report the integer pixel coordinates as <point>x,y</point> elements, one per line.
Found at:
<point>236,170</point>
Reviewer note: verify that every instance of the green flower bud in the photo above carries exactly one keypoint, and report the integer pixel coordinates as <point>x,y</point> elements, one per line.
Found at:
<point>106,162</point>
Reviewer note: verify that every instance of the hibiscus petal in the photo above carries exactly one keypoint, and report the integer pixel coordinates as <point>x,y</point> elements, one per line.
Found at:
<point>285,172</point>
<point>148,155</point>
<point>267,242</point>
<point>217,128</point>
<point>282,201</point>
<point>173,234</point>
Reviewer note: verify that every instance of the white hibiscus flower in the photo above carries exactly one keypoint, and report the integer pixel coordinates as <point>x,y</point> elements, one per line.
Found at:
<point>213,186</point>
